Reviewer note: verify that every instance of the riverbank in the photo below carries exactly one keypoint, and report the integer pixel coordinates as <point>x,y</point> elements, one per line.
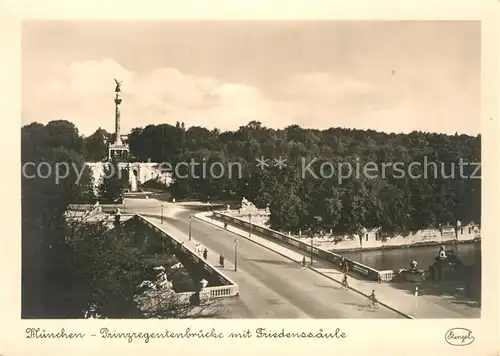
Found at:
<point>372,241</point>
<point>424,255</point>
<point>404,246</point>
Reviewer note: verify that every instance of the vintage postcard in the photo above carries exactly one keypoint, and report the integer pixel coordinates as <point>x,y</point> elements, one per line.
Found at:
<point>250,179</point>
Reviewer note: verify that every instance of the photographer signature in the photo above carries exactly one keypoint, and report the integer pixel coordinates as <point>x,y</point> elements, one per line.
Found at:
<point>459,337</point>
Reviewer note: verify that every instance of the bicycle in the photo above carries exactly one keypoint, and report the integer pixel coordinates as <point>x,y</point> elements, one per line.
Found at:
<point>373,300</point>
<point>374,303</point>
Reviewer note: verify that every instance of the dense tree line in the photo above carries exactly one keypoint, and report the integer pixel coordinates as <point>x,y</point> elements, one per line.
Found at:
<point>439,192</point>
<point>67,264</point>
<point>300,199</point>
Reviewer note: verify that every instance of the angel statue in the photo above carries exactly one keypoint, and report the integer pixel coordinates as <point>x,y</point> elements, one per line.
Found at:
<point>118,86</point>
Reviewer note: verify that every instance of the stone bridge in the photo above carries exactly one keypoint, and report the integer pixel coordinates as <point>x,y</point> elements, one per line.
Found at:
<point>139,173</point>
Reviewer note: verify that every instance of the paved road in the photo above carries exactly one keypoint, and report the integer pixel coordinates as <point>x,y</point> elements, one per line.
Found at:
<point>271,286</point>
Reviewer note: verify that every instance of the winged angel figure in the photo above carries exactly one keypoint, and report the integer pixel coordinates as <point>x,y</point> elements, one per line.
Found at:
<point>118,86</point>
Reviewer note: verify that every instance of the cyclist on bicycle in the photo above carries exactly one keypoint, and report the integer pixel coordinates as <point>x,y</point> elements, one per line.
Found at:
<point>373,298</point>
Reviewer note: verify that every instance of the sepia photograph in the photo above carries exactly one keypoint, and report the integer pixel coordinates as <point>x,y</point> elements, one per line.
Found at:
<point>251,170</point>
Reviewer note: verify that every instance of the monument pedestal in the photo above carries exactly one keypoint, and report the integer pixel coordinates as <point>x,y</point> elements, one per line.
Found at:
<point>119,152</point>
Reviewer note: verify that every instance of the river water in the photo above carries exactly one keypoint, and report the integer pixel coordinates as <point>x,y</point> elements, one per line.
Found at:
<point>468,253</point>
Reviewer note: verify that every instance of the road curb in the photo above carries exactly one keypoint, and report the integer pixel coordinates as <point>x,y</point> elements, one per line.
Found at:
<point>298,262</point>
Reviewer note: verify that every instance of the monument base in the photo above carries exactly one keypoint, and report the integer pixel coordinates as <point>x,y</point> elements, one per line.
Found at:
<point>120,153</point>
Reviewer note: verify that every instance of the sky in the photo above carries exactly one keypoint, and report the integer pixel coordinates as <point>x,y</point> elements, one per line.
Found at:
<point>394,76</point>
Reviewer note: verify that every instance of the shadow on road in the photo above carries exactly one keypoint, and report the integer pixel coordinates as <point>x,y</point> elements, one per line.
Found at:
<point>281,263</point>
<point>364,307</point>
<point>329,287</point>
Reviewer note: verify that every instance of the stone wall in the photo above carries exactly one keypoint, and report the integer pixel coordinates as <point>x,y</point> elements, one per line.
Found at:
<point>375,240</point>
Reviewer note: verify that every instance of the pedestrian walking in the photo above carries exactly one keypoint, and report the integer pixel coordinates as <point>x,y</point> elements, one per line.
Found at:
<point>117,218</point>
<point>205,254</point>
<point>303,263</point>
<point>221,260</point>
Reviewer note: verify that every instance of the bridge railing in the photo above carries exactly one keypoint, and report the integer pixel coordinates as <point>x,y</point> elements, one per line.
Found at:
<point>366,271</point>
<point>223,291</point>
<point>228,288</point>
<point>105,208</point>
<point>389,275</point>
<point>209,292</point>
<point>242,212</point>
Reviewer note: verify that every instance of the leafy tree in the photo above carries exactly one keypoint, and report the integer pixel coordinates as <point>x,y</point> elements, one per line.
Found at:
<point>96,148</point>
<point>391,202</point>
<point>68,264</point>
<point>105,267</point>
<point>44,202</point>
<point>113,183</point>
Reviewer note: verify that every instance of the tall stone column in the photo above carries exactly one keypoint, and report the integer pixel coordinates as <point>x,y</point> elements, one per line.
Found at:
<point>118,149</point>
<point>118,101</point>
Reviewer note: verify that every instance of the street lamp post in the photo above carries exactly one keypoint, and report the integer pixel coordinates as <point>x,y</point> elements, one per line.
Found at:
<point>162,213</point>
<point>235,255</point>
<point>190,228</point>
<point>312,237</point>
<point>250,225</point>
<point>416,301</point>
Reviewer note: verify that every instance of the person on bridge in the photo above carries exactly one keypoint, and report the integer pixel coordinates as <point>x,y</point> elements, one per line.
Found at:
<point>303,263</point>
<point>373,298</point>
<point>344,281</point>
<point>344,265</point>
<point>205,254</point>
<point>221,260</point>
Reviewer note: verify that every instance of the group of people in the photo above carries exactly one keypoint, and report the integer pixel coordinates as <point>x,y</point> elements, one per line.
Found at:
<point>343,265</point>
<point>201,251</point>
<point>345,268</point>
<point>372,297</point>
